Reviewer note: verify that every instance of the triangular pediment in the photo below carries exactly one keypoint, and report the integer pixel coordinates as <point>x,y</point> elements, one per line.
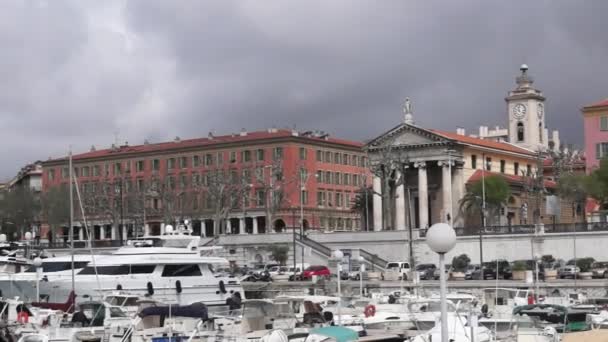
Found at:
<point>407,136</point>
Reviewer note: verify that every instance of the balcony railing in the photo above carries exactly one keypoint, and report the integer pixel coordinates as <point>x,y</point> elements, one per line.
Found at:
<point>530,229</point>
<point>82,244</point>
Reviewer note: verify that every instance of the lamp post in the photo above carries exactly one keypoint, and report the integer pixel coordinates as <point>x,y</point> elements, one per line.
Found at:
<point>38,265</point>
<point>361,270</point>
<point>441,238</point>
<point>338,255</point>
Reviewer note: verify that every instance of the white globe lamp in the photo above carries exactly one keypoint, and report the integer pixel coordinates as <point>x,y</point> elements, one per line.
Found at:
<point>168,229</point>
<point>337,254</point>
<point>441,238</point>
<point>37,262</point>
<point>186,222</point>
<point>2,237</point>
<point>28,236</point>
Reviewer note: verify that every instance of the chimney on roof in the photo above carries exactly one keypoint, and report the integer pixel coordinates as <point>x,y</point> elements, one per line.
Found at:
<point>460,131</point>
<point>113,148</point>
<point>210,135</point>
<point>295,133</point>
<point>177,139</point>
<point>243,132</point>
<point>146,142</point>
<point>273,129</point>
<point>93,149</point>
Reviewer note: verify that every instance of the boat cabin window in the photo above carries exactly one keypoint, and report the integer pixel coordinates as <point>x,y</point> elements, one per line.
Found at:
<point>116,312</point>
<point>57,266</point>
<point>119,270</point>
<point>181,271</point>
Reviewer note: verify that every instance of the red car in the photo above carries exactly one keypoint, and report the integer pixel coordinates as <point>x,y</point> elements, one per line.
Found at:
<point>317,270</point>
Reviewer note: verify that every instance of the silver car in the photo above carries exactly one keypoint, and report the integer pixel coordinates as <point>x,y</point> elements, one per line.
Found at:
<point>568,271</point>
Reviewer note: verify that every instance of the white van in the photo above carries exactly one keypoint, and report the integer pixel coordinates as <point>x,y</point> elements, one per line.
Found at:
<point>401,267</point>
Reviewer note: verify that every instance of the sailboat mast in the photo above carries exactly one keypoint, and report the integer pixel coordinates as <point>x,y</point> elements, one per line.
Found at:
<point>71,170</point>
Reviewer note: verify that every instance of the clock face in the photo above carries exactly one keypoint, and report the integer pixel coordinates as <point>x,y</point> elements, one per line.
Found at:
<point>519,111</point>
<point>540,110</point>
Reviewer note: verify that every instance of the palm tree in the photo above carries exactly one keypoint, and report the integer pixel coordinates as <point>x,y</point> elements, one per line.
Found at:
<point>497,192</point>
<point>364,194</point>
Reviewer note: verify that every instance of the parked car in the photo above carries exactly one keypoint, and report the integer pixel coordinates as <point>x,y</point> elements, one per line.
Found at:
<point>568,271</point>
<point>261,268</point>
<point>426,271</point>
<point>399,266</point>
<point>600,269</point>
<point>490,270</point>
<point>436,273</point>
<point>316,270</point>
<point>470,271</point>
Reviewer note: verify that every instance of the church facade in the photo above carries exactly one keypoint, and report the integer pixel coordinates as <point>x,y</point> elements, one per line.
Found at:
<point>421,175</point>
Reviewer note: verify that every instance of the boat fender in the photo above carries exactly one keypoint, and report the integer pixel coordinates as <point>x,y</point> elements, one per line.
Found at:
<point>484,309</point>
<point>150,289</point>
<point>370,310</point>
<point>178,286</point>
<point>119,287</point>
<point>222,287</point>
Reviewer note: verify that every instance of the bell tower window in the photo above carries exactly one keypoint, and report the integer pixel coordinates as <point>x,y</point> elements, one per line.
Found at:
<point>540,132</point>
<point>520,132</point>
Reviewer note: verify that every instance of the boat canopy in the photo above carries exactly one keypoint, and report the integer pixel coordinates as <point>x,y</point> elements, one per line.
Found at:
<point>195,310</point>
<point>340,334</point>
<point>520,310</point>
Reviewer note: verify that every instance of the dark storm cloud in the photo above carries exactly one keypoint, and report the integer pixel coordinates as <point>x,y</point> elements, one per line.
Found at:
<point>81,73</point>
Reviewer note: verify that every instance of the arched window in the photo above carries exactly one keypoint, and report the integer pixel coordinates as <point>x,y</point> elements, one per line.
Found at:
<point>540,132</point>
<point>520,131</point>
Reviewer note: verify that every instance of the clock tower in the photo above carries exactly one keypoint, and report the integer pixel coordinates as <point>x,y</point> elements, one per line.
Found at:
<point>526,111</point>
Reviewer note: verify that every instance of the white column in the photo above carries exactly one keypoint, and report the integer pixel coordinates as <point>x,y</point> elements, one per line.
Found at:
<point>423,196</point>
<point>228,226</point>
<point>255,225</point>
<point>400,205</point>
<point>146,229</point>
<point>81,233</point>
<point>102,232</point>
<point>113,232</point>
<point>446,187</point>
<point>124,232</point>
<point>377,186</point>
<point>162,228</point>
<point>242,226</point>
<point>457,194</point>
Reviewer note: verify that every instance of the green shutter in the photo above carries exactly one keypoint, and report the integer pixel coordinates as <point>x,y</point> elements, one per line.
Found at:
<point>598,151</point>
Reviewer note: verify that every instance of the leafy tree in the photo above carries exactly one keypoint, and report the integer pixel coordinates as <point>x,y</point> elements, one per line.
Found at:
<point>585,264</point>
<point>279,253</point>
<point>20,209</point>
<point>56,208</point>
<point>547,259</point>
<point>497,191</point>
<point>574,188</point>
<point>596,184</point>
<point>461,262</point>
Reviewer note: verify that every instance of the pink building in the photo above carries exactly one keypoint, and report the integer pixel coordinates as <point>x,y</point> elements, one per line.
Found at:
<point>596,133</point>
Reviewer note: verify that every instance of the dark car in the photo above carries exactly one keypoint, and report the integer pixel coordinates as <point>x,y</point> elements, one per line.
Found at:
<point>492,269</point>
<point>426,271</point>
<point>531,266</point>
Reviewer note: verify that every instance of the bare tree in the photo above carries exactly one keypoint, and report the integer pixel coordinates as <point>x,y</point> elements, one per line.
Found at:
<point>271,185</point>
<point>223,191</point>
<point>389,164</point>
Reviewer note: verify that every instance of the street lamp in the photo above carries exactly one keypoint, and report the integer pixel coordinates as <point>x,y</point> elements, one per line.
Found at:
<point>338,255</point>
<point>441,238</point>
<point>168,229</point>
<point>361,270</point>
<point>38,265</point>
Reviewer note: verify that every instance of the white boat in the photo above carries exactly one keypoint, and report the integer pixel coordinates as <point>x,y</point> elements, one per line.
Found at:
<point>23,284</point>
<point>459,330</point>
<point>155,273</point>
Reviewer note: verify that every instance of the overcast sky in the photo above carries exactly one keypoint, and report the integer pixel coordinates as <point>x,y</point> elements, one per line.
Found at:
<point>85,72</point>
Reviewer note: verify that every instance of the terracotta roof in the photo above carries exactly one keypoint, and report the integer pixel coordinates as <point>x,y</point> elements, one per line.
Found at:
<point>601,103</point>
<point>483,142</point>
<point>249,138</point>
<point>513,179</point>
